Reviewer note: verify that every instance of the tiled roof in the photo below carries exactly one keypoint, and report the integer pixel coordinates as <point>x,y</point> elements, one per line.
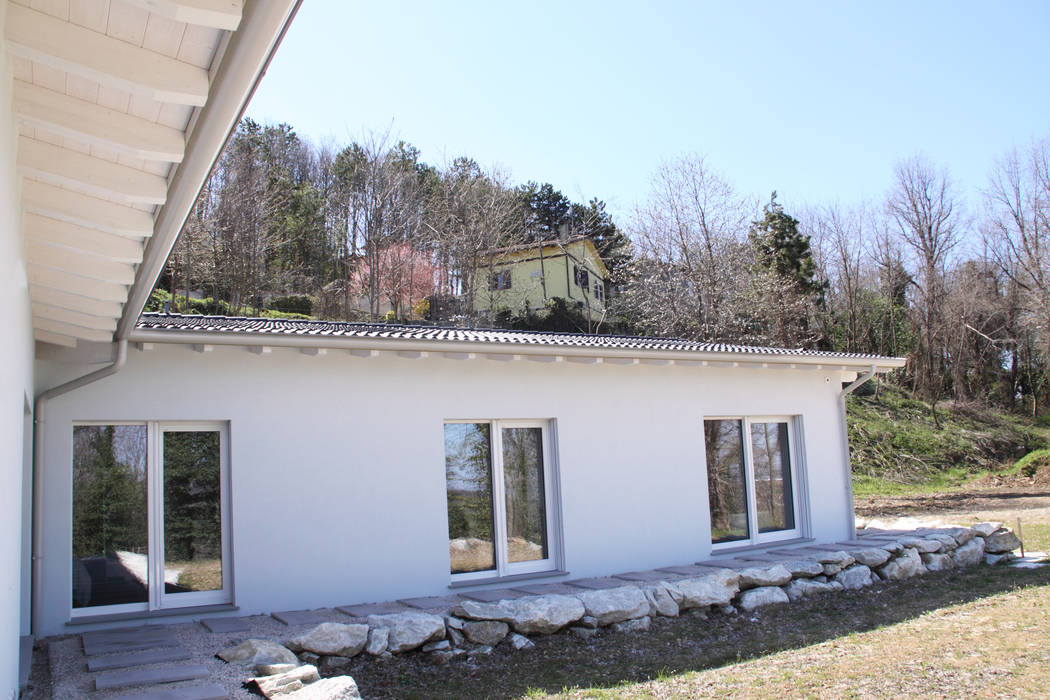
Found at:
<point>225,325</point>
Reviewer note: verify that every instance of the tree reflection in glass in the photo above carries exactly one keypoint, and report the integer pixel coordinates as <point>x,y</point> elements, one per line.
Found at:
<point>526,500</point>
<point>773,498</point>
<point>726,480</point>
<point>468,481</point>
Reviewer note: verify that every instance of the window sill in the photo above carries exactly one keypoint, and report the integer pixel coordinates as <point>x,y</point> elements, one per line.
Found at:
<point>151,614</point>
<point>763,546</point>
<point>513,578</point>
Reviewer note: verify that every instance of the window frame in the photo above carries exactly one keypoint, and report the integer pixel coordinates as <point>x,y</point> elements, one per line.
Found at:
<point>158,599</point>
<point>796,464</point>
<point>551,494</point>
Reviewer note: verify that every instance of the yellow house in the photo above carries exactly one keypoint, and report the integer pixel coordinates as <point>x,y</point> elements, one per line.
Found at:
<point>525,277</point>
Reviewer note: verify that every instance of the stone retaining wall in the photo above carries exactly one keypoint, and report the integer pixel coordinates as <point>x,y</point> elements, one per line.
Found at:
<point>473,628</point>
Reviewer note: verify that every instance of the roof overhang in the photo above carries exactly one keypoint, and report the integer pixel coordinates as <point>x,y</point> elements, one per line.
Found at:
<point>457,349</point>
<point>123,107</point>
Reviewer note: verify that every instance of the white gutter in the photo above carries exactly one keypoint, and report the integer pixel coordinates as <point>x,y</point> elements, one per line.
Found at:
<point>481,348</point>
<point>39,413</point>
<point>846,460</point>
<point>247,55</point>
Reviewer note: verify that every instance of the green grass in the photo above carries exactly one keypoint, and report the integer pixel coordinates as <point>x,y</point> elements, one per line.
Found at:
<point>899,448</point>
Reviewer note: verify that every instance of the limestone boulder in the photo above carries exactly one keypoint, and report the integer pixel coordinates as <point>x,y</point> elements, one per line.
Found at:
<point>614,604</point>
<point>756,577</point>
<point>520,642</point>
<point>638,624</point>
<point>831,569</point>
<point>970,554</point>
<point>336,688</point>
<point>871,557</point>
<point>715,588</point>
<point>833,556</point>
<point>924,545</point>
<point>253,652</point>
<point>962,535</point>
<point>994,559</point>
<point>905,565</point>
<point>285,683</point>
<point>938,561</point>
<point>475,610</point>
<point>986,529</point>
<point>1001,541</point>
<point>485,632</point>
<point>332,639</point>
<point>803,568</point>
<point>544,614</point>
<point>662,599</point>
<point>378,638</point>
<point>855,577</point>
<point>757,597</point>
<point>947,541</point>
<point>800,588</point>
<point>409,630</point>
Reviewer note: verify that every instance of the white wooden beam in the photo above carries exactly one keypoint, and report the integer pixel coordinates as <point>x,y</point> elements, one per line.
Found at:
<point>82,210</point>
<point>78,263</point>
<point>410,354</point>
<point>54,338</point>
<point>203,348</point>
<point>217,14</point>
<point>93,125</point>
<point>260,349</point>
<point>144,347</point>
<point>88,241</point>
<point>315,352</point>
<point>73,302</point>
<point>620,360</point>
<point>46,324</point>
<point>580,360</point>
<point>73,284</point>
<point>364,353</point>
<point>109,61</point>
<point>90,175</point>
<point>74,318</point>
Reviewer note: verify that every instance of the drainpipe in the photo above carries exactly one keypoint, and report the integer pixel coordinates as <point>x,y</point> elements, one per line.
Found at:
<point>851,517</point>
<point>38,469</point>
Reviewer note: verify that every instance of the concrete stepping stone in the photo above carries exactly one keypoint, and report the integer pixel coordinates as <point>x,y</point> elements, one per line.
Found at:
<point>432,602</point>
<point>220,625</point>
<point>547,589</point>
<point>600,583</point>
<point>298,617</point>
<point>108,680</point>
<point>643,576</point>
<point>492,595</point>
<point>688,570</point>
<point>212,691</point>
<point>137,658</point>
<point>732,564</point>
<point>99,643</point>
<point>366,609</point>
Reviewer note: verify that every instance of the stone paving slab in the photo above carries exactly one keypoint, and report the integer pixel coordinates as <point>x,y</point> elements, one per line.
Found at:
<point>137,658</point>
<point>732,564</point>
<point>220,625</point>
<point>147,676</point>
<point>492,595</point>
<point>642,576</point>
<point>97,646</point>
<point>767,559</point>
<point>212,691</point>
<point>599,583</point>
<point>366,609</point>
<point>298,617</point>
<point>547,589</point>
<point>691,570</point>
<point>432,602</point>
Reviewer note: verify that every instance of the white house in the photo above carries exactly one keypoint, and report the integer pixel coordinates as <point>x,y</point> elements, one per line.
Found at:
<point>178,467</point>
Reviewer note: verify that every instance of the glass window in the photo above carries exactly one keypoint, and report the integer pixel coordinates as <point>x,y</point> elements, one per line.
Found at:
<point>750,481</point>
<point>497,477</point>
<point>148,516</point>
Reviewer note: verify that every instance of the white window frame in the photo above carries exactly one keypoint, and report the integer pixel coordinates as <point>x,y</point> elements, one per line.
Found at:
<point>158,598</point>
<point>499,531</point>
<point>795,465</point>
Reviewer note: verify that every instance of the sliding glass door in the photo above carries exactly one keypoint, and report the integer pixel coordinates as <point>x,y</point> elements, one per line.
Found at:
<point>149,517</point>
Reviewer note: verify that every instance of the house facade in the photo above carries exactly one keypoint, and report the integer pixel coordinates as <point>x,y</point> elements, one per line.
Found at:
<point>266,465</point>
<point>525,277</point>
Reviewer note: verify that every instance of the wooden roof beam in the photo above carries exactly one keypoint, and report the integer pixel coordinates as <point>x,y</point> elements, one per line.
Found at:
<point>42,229</point>
<point>90,175</point>
<point>54,338</point>
<point>217,14</point>
<point>75,284</point>
<point>78,263</point>
<point>73,302</point>
<point>54,313</point>
<point>69,329</point>
<point>82,210</point>
<point>109,61</point>
<point>93,125</point>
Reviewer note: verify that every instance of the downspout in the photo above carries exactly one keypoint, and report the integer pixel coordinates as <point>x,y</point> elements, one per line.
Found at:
<point>851,517</point>
<point>39,407</point>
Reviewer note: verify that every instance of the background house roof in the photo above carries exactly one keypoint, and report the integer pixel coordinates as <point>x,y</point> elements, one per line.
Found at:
<point>262,331</point>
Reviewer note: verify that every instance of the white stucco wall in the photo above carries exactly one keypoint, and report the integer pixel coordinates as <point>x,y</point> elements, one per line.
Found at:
<point>16,386</point>
<point>337,462</point>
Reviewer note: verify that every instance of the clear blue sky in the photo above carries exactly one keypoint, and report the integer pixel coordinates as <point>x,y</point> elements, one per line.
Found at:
<point>815,100</point>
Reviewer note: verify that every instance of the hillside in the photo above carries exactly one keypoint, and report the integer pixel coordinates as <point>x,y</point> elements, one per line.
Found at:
<point>897,447</point>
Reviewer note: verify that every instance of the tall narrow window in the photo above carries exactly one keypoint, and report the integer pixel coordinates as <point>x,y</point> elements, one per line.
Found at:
<point>750,479</point>
<point>149,517</point>
<point>497,477</point>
